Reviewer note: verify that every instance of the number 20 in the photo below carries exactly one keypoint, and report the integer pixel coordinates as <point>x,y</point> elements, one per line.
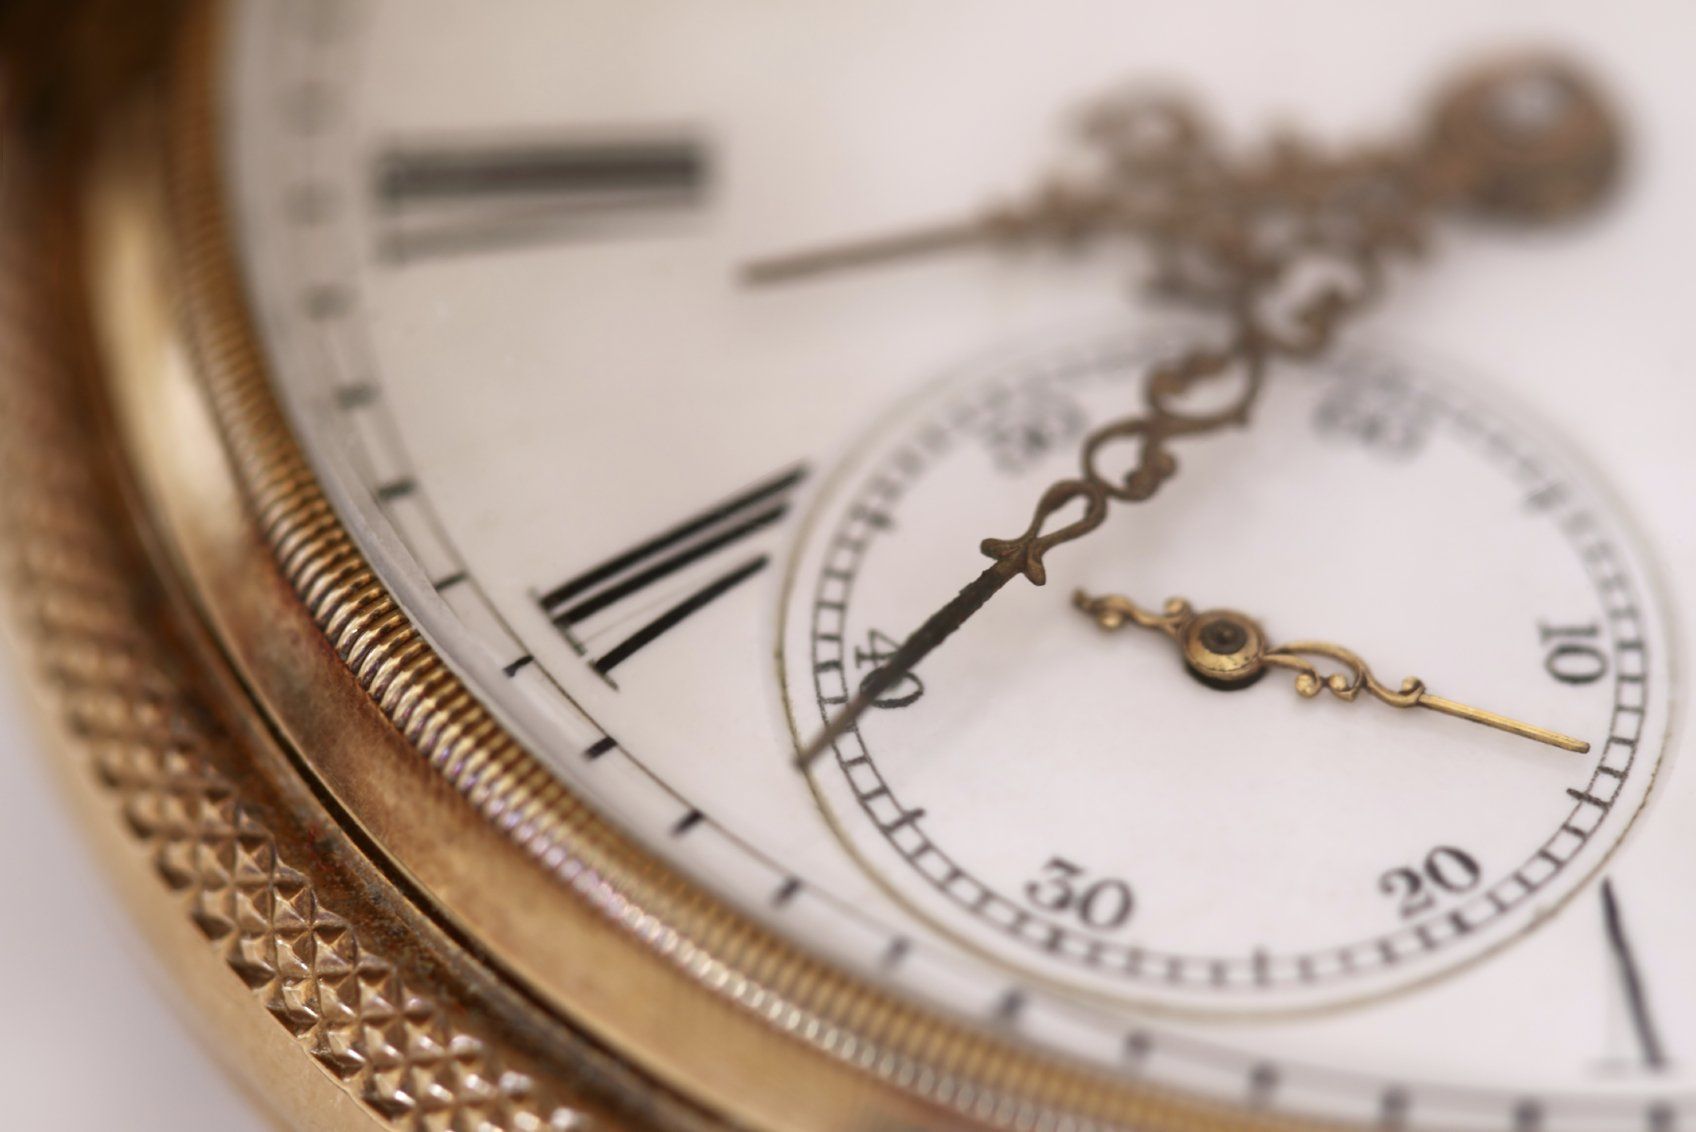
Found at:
<point>1446,868</point>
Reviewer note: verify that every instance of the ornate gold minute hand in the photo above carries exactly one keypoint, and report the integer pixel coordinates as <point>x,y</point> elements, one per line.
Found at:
<point>1161,171</point>
<point>1058,213</point>
<point>1226,649</point>
<point>1284,248</point>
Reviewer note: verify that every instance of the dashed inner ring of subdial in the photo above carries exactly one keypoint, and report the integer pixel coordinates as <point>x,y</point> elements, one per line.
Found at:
<point>1615,591</point>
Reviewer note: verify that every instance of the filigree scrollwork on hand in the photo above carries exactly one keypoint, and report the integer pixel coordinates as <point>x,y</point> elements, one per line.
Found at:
<point>1114,611</point>
<point>1286,247</point>
<point>1345,685</point>
<point>1023,555</point>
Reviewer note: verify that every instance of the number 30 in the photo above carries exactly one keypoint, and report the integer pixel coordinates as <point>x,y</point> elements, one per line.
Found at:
<point>1102,904</point>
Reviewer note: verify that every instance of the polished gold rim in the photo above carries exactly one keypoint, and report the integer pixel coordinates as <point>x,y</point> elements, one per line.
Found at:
<point>584,920</point>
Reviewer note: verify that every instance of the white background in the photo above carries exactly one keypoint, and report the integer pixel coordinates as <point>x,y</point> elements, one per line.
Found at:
<point>89,1039</point>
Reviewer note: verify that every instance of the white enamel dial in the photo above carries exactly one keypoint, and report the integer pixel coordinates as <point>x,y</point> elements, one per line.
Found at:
<point>494,253</point>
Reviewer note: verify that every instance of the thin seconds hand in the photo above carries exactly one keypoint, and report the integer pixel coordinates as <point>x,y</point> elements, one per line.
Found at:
<point>938,627</point>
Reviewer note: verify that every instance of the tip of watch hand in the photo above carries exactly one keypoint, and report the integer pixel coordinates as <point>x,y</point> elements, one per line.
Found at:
<point>825,739</point>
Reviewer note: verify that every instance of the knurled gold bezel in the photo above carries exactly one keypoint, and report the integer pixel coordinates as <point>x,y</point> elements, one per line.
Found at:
<point>410,763</point>
<point>346,1007</point>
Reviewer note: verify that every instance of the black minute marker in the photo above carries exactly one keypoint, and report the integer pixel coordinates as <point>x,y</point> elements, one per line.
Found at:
<point>1631,981</point>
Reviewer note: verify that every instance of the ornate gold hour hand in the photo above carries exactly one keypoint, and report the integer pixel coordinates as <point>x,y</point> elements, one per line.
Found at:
<point>1283,248</point>
<point>1225,649</point>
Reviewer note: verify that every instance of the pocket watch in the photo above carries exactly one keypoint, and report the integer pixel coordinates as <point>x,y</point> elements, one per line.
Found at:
<point>852,567</point>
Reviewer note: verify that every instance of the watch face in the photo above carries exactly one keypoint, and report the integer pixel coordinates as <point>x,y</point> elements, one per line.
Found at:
<point>668,507</point>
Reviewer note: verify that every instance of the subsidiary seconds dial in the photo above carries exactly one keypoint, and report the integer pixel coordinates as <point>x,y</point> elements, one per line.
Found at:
<point>1075,804</point>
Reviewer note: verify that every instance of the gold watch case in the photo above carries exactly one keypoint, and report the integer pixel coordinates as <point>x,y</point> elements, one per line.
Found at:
<point>387,911</point>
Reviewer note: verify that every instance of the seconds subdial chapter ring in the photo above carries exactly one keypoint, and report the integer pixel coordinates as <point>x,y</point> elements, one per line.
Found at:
<point>1037,817</point>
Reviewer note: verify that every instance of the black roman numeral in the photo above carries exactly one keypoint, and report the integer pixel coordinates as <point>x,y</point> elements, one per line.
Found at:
<point>713,535</point>
<point>445,197</point>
